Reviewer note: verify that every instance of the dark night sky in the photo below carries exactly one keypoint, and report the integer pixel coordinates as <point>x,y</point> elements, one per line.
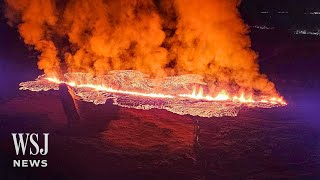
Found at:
<point>281,5</point>
<point>297,16</point>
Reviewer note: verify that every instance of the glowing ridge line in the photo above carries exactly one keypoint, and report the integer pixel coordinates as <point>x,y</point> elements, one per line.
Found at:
<point>222,96</point>
<point>107,89</point>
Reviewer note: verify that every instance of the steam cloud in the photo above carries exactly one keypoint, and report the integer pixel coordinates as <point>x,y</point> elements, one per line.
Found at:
<point>159,38</point>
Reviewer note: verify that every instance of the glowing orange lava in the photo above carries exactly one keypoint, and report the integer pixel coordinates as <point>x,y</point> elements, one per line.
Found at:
<point>108,89</point>
<point>198,95</point>
<point>224,96</point>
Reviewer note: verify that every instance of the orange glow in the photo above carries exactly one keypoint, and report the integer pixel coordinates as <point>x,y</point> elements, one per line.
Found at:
<point>243,99</point>
<point>108,89</point>
<point>196,94</point>
<point>222,96</point>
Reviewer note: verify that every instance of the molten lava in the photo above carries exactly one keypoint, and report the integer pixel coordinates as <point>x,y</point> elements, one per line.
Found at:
<point>222,95</point>
<point>135,90</point>
<point>108,89</point>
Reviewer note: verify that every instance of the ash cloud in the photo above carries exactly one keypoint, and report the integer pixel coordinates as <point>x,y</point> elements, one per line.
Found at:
<point>159,38</point>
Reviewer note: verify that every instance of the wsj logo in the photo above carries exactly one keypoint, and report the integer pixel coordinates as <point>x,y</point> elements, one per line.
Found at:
<point>28,144</point>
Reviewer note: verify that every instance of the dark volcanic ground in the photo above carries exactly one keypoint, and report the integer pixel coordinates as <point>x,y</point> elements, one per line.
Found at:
<point>125,143</point>
<point>117,143</point>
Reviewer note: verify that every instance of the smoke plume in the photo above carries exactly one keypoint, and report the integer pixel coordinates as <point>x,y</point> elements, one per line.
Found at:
<point>35,17</point>
<point>159,38</point>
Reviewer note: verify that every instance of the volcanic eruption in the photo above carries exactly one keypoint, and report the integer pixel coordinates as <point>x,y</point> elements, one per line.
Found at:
<point>186,56</point>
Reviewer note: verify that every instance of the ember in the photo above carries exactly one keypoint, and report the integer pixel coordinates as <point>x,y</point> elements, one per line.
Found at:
<point>140,93</point>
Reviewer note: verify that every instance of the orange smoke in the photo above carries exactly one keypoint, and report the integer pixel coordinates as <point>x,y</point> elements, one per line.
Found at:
<point>35,17</point>
<point>206,37</point>
<point>211,39</point>
<point>113,35</point>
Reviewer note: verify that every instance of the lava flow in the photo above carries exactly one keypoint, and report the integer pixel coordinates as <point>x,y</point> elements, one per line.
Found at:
<point>108,89</point>
<point>139,92</point>
<point>222,95</point>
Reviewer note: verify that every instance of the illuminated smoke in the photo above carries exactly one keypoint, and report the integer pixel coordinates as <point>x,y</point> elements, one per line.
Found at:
<point>113,35</point>
<point>205,37</point>
<point>211,39</point>
<point>35,18</point>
